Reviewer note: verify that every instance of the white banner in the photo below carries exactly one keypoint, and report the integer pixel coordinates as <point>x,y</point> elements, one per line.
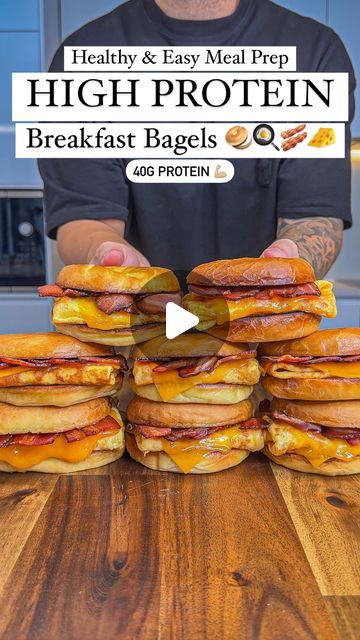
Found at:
<point>201,97</point>
<point>177,140</point>
<point>199,58</point>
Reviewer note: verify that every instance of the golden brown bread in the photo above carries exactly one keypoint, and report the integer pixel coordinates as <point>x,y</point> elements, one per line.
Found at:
<point>48,345</point>
<point>51,419</point>
<point>57,395</point>
<point>327,414</point>
<point>200,393</point>
<point>166,414</point>
<point>252,272</point>
<point>116,337</point>
<point>97,459</point>
<point>267,328</point>
<point>331,467</point>
<point>187,344</point>
<point>328,342</point>
<point>96,278</point>
<point>323,389</point>
<point>160,461</point>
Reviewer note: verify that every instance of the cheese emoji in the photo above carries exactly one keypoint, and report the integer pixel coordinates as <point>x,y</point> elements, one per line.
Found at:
<point>323,138</point>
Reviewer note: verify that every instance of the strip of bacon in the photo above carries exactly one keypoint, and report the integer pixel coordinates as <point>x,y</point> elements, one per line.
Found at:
<point>292,132</point>
<point>111,302</point>
<point>205,364</point>
<point>51,291</point>
<point>261,293</point>
<point>193,434</point>
<point>344,434</point>
<point>296,422</point>
<point>175,364</point>
<point>106,424</point>
<point>31,439</point>
<point>118,361</point>
<point>310,359</point>
<point>153,432</point>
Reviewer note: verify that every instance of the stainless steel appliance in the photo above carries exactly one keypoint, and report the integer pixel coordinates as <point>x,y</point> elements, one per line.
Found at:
<point>22,240</point>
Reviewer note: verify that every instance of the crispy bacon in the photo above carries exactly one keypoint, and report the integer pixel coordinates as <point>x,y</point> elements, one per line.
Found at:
<point>196,433</point>
<point>111,302</point>
<point>296,422</point>
<point>31,439</point>
<point>50,290</point>
<point>156,302</point>
<point>205,364</point>
<point>114,361</point>
<point>153,432</point>
<point>106,424</point>
<point>292,132</point>
<point>343,433</point>
<point>310,359</point>
<point>261,293</point>
<point>175,364</point>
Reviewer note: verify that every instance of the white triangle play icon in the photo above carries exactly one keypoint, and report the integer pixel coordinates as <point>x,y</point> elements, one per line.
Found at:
<point>178,320</point>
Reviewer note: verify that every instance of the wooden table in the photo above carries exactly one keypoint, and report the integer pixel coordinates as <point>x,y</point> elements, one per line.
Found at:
<point>256,552</point>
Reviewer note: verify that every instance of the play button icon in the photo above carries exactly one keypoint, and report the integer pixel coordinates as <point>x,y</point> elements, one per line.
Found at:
<point>178,320</point>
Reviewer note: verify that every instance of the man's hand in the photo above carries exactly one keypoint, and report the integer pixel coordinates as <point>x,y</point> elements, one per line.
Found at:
<point>97,242</point>
<point>112,254</point>
<point>281,249</point>
<point>318,240</point>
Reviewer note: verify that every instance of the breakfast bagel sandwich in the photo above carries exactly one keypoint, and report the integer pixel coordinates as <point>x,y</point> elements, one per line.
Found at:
<point>60,439</point>
<point>116,306</point>
<point>190,438</point>
<point>314,437</point>
<point>53,369</point>
<point>258,299</point>
<point>194,368</point>
<point>323,366</point>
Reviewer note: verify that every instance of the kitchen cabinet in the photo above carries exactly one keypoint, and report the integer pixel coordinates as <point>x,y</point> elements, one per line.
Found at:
<point>18,52</point>
<point>18,309</point>
<point>344,18</point>
<point>311,8</point>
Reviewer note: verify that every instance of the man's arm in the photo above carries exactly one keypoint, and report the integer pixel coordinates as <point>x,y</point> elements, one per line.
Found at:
<point>318,240</point>
<point>97,242</point>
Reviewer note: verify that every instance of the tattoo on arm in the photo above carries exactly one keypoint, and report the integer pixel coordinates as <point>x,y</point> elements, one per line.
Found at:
<point>319,240</point>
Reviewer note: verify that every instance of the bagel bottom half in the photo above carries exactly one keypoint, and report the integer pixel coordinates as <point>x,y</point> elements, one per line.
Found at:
<point>328,468</point>
<point>270,328</point>
<point>52,465</point>
<point>324,389</point>
<point>160,461</point>
<point>115,338</point>
<point>200,393</point>
<point>55,395</point>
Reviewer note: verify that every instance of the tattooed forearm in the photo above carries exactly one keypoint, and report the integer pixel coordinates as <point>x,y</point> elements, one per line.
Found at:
<point>319,240</point>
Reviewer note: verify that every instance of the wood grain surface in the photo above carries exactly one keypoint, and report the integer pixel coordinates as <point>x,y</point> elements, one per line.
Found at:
<point>122,552</point>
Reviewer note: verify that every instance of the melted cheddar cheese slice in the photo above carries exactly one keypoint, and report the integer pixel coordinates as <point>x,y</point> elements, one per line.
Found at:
<point>219,310</point>
<point>85,311</point>
<point>77,374</point>
<point>187,453</point>
<point>324,370</point>
<point>169,383</point>
<point>25,456</point>
<point>283,438</point>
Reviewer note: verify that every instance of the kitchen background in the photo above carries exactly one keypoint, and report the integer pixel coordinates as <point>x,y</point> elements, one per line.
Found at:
<point>30,31</point>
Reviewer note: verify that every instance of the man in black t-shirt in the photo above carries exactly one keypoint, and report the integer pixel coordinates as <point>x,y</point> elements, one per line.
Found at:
<point>286,207</point>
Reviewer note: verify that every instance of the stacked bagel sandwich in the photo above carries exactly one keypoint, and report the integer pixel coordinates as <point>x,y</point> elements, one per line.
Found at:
<point>258,299</point>
<point>314,418</point>
<point>192,412</point>
<point>55,409</point>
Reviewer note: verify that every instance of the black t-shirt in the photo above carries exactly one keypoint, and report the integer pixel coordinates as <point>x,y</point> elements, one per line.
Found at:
<point>181,225</point>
